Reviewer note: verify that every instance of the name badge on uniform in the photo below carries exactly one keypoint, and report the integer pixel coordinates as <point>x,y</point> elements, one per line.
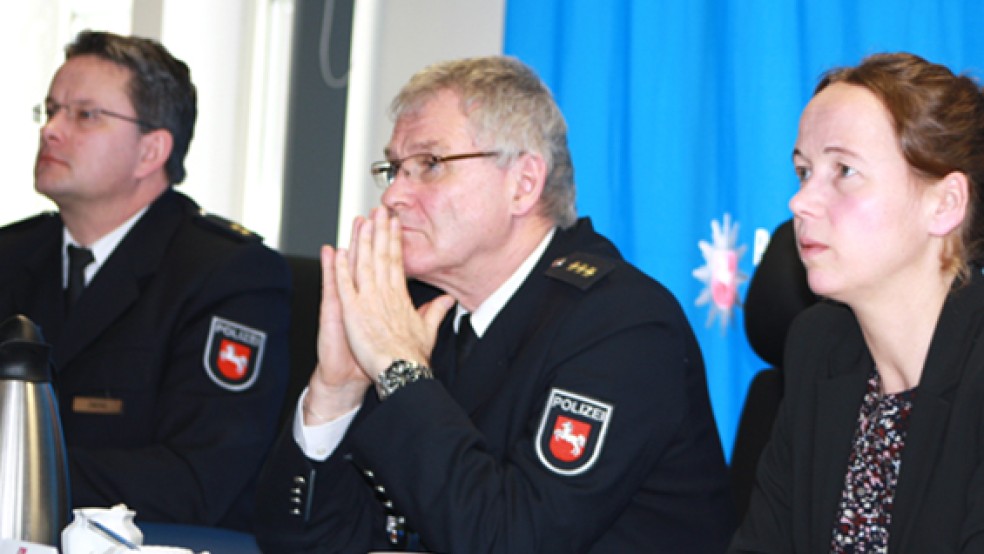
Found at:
<point>233,354</point>
<point>572,432</point>
<point>97,405</point>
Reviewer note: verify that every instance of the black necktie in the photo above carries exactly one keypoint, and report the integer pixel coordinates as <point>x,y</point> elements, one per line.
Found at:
<point>78,259</point>
<point>465,339</point>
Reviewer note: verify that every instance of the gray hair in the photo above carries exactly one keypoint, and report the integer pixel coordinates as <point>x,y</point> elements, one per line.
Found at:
<point>511,110</point>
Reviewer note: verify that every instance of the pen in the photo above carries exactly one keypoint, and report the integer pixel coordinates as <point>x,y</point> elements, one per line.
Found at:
<point>113,535</point>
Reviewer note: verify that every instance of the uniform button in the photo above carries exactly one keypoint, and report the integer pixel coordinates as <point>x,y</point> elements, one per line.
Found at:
<point>296,491</point>
<point>368,473</point>
<point>295,511</point>
<point>381,489</point>
<point>299,480</point>
<point>295,500</point>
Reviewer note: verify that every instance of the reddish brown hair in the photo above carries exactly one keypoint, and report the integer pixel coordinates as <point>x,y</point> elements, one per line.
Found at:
<point>939,124</point>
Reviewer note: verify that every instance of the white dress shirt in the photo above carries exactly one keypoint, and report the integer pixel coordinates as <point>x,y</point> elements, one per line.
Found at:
<point>101,249</point>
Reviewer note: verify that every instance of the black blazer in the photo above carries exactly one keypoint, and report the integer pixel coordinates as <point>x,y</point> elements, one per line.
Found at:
<point>466,457</point>
<point>145,423</point>
<point>939,502</point>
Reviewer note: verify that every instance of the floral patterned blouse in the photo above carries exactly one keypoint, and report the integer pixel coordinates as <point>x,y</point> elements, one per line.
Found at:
<point>864,515</point>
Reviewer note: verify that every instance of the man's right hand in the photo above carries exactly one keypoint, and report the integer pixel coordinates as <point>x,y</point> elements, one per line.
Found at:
<point>338,384</point>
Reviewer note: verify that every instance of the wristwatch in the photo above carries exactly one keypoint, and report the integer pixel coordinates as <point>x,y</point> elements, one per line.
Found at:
<point>399,374</point>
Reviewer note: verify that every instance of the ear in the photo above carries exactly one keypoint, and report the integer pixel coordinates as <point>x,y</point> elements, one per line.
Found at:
<point>528,176</point>
<point>950,196</point>
<point>155,148</point>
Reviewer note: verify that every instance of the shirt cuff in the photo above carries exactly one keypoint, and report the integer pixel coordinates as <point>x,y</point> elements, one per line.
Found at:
<point>317,442</point>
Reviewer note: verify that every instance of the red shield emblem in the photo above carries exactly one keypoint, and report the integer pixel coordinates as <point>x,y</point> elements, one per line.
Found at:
<point>572,432</point>
<point>570,436</point>
<point>233,359</point>
<point>233,354</point>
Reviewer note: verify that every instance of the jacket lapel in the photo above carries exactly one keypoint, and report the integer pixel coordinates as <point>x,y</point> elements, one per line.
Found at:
<point>40,295</point>
<point>838,402</point>
<point>118,283</point>
<point>489,366</point>
<point>952,346</point>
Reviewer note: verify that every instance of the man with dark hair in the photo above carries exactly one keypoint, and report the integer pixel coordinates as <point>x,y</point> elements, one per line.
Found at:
<point>531,391</point>
<point>168,326</point>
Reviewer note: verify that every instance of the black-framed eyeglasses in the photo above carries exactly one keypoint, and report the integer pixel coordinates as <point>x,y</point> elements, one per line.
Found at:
<point>82,115</point>
<point>421,168</point>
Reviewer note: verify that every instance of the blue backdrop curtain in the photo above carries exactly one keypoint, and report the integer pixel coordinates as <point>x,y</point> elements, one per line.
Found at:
<point>683,114</point>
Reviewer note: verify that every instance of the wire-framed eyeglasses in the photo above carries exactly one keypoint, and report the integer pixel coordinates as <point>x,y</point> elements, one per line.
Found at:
<point>82,116</point>
<point>420,168</point>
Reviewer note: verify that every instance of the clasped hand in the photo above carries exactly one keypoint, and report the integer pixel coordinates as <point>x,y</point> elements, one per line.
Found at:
<point>367,317</point>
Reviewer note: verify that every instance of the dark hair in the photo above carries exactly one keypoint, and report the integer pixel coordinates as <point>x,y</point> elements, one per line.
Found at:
<point>160,87</point>
<point>939,124</point>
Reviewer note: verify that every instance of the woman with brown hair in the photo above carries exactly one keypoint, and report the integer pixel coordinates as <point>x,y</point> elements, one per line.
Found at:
<point>879,443</point>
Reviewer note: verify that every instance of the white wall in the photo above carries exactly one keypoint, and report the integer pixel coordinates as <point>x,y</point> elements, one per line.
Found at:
<point>34,38</point>
<point>238,54</point>
<point>392,40</point>
<point>221,76</point>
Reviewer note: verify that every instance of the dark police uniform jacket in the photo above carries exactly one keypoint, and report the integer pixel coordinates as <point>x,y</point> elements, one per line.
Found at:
<point>155,411</point>
<point>939,499</point>
<point>580,422</point>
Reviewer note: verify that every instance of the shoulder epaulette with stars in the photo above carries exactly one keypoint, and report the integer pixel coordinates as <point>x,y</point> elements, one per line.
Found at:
<point>580,269</point>
<point>227,227</point>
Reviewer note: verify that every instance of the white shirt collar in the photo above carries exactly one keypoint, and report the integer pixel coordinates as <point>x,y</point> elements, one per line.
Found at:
<point>101,249</point>
<point>486,312</point>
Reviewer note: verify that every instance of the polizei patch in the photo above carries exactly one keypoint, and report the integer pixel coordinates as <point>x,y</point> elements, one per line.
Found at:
<point>571,432</point>
<point>233,354</point>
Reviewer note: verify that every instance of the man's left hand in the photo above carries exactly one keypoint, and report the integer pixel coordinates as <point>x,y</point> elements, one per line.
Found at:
<point>381,322</point>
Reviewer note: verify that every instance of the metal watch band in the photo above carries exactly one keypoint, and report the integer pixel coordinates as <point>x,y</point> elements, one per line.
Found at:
<point>399,374</point>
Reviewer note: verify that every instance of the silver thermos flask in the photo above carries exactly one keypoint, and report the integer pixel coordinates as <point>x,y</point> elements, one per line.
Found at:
<point>34,503</point>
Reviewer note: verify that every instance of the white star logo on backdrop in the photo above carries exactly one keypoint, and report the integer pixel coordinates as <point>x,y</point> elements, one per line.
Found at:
<point>720,273</point>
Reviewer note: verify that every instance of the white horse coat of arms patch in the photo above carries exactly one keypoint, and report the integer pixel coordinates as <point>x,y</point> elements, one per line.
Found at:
<point>233,354</point>
<point>572,432</point>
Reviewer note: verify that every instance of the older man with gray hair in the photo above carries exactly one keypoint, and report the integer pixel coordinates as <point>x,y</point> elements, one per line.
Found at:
<point>492,376</point>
